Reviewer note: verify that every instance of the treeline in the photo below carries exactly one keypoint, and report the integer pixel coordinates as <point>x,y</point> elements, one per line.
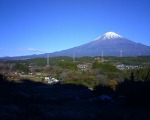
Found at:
<point>139,60</point>
<point>138,75</point>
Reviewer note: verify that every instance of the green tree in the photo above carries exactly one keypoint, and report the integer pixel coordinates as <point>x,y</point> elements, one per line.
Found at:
<point>21,67</point>
<point>68,65</point>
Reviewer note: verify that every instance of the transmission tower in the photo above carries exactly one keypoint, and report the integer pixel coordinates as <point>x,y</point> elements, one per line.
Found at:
<point>48,60</point>
<point>102,55</point>
<point>73,57</point>
<point>121,53</point>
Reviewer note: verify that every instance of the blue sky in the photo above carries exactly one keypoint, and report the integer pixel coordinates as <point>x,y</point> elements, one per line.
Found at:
<point>38,26</point>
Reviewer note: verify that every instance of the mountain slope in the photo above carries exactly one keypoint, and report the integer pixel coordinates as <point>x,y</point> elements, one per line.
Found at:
<point>110,43</point>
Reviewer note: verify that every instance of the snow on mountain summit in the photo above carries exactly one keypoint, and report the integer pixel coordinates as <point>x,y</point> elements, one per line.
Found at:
<point>110,35</point>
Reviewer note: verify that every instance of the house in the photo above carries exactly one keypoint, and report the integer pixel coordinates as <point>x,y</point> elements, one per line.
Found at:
<point>84,66</point>
<point>51,80</point>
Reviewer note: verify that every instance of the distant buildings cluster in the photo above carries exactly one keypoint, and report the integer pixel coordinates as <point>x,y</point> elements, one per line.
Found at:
<point>84,66</point>
<point>124,67</point>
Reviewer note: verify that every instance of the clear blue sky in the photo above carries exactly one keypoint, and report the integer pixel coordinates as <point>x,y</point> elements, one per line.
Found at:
<point>37,26</point>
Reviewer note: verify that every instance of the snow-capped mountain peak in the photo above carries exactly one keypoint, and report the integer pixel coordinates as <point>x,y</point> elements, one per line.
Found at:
<point>110,35</point>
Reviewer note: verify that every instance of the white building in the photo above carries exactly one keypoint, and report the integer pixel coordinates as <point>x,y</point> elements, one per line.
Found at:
<point>51,80</point>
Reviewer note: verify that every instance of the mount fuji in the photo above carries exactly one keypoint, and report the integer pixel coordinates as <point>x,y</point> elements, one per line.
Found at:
<point>110,44</point>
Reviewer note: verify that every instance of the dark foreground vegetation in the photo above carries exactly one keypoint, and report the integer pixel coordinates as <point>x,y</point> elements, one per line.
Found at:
<point>28,100</point>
